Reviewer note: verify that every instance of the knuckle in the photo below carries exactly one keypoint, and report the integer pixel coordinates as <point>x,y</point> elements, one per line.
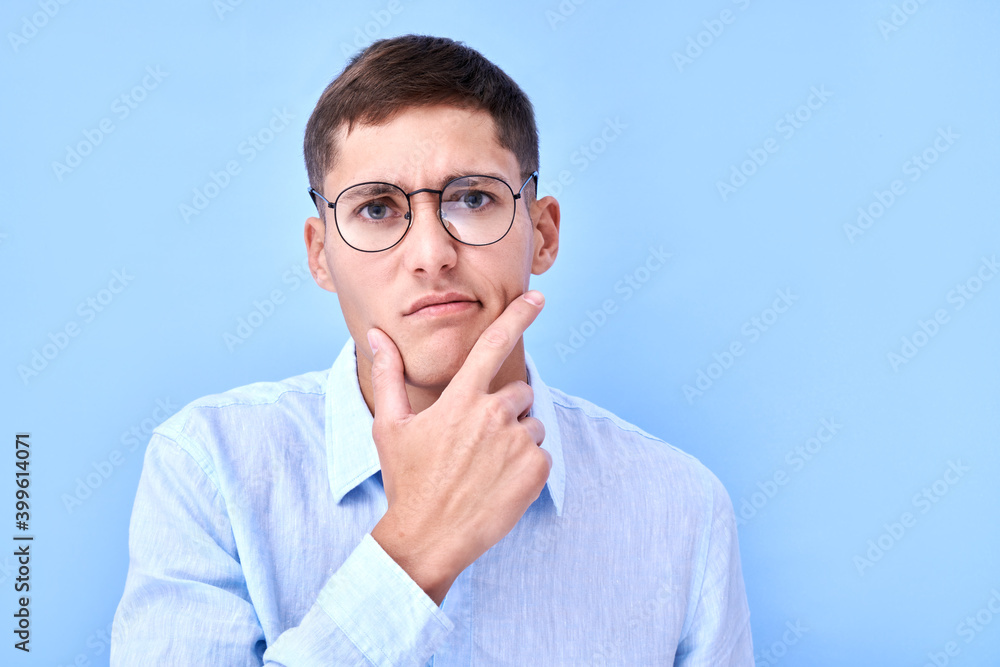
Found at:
<point>378,370</point>
<point>386,430</point>
<point>496,337</point>
<point>529,392</point>
<point>540,468</point>
<point>496,408</point>
<point>381,376</point>
<point>531,436</point>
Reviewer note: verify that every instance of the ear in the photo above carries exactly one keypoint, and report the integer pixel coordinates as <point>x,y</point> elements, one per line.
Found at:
<point>315,244</point>
<point>545,214</point>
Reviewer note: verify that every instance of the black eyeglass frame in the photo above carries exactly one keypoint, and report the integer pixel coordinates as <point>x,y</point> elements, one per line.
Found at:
<point>409,213</point>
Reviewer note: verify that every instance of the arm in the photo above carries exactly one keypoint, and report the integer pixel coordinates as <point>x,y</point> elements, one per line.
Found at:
<point>186,599</point>
<point>718,631</point>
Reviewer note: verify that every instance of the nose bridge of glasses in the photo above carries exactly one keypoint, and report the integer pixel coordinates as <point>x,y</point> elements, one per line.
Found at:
<point>427,199</point>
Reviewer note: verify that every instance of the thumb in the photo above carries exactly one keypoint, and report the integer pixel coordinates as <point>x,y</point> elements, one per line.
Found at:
<point>388,388</point>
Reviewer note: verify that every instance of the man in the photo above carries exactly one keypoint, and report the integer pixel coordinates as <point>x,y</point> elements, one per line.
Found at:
<point>429,500</point>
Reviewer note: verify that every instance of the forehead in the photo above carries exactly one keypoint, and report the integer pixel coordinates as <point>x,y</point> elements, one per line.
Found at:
<point>421,147</point>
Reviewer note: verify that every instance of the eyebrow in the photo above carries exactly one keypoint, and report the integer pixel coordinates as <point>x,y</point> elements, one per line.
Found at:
<point>451,176</point>
<point>371,189</point>
<point>455,174</point>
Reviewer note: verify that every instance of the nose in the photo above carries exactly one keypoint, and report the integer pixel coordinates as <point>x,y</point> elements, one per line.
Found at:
<point>431,249</point>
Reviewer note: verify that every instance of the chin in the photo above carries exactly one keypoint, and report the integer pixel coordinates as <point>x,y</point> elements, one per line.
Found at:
<point>435,361</point>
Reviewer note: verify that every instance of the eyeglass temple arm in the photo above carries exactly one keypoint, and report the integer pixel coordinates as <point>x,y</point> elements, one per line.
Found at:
<point>313,194</point>
<point>534,175</point>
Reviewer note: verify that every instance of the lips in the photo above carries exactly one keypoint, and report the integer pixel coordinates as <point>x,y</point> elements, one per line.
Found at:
<point>434,299</point>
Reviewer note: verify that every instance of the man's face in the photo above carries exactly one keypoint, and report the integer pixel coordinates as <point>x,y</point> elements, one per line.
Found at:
<point>425,147</point>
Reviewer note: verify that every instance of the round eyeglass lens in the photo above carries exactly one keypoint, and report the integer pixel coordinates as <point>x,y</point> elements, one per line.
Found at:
<point>477,210</point>
<point>372,216</point>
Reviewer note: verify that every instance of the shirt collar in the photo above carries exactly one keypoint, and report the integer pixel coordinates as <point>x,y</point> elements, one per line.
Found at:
<point>351,454</point>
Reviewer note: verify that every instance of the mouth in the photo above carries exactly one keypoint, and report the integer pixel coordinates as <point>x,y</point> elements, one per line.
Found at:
<point>446,308</point>
<point>441,304</point>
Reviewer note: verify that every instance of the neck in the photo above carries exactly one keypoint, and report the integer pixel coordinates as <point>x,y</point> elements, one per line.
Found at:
<point>421,398</point>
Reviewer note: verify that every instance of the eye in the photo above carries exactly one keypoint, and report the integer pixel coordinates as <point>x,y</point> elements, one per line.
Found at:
<point>375,210</point>
<point>473,199</point>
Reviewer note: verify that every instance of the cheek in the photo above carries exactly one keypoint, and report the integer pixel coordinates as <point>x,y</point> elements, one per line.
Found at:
<point>526,240</point>
<point>506,281</point>
<point>364,288</point>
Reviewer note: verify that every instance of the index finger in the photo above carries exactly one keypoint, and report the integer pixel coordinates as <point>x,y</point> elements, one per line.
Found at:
<point>497,341</point>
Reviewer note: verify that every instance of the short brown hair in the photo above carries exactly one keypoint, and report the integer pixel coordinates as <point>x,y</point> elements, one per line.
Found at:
<point>418,70</point>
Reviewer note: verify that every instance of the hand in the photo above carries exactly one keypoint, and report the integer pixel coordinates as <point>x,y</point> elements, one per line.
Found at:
<point>459,475</point>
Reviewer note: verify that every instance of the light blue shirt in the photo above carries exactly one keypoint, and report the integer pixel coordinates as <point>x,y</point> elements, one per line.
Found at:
<point>250,544</point>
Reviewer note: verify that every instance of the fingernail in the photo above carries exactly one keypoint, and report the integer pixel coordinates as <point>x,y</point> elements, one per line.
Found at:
<point>533,297</point>
<point>372,342</point>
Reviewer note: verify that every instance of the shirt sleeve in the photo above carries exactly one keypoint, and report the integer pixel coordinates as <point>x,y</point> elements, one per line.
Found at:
<point>186,600</point>
<point>718,633</point>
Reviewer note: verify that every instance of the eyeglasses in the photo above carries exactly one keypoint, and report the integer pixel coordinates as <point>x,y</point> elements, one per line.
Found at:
<point>475,210</point>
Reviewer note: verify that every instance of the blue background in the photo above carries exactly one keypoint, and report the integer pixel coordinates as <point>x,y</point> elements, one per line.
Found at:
<point>896,74</point>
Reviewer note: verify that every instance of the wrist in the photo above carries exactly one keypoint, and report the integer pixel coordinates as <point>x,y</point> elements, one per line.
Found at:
<point>421,559</point>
